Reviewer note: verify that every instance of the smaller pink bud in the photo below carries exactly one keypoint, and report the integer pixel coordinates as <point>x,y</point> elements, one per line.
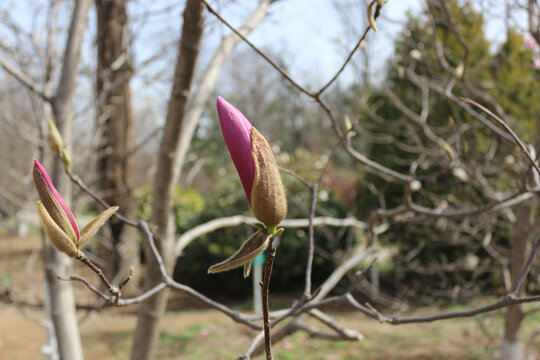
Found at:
<point>54,203</point>
<point>57,219</point>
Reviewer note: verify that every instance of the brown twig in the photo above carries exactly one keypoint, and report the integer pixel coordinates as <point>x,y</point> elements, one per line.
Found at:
<point>506,127</point>
<point>311,240</point>
<point>88,285</point>
<point>113,290</point>
<point>77,181</point>
<point>265,289</point>
<point>314,193</point>
<point>257,50</point>
<point>296,176</point>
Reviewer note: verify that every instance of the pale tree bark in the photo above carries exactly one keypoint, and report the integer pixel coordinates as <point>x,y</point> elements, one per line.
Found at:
<point>62,302</point>
<point>119,247</point>
<point>151,311</point>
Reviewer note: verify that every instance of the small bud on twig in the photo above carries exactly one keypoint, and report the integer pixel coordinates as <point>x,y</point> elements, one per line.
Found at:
<point>57,219</point>
<point>56,144</point>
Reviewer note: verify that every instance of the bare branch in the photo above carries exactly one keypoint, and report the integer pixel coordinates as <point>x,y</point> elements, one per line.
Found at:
<point>507,127</point>
<point>23,78</point>
<point>347,334</point>
<point>265,289</point>
<point>256,49</point>
<point>186,238</point>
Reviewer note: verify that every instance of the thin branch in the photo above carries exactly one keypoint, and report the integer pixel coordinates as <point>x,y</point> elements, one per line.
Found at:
<point>257,50</point>
<point>311,239</point>
<point>77,181</point>
<point>23,78</point>
<point>356,47</point>
<point>346,62</point>
<point>344,333</point>
<point>508,300</point>
<point>506,127</point>
<point>252,347</point>
<point>418,79</point>
<point>376,168</point>
<point>314,192</point>
<point>113,290</point>
<point>187,237</point>
<point>265,289</point>
<point>168,281</point>
<point>296,176</point>
<point>526,270</point>
<point>505,203</point>
<point>88,285</point>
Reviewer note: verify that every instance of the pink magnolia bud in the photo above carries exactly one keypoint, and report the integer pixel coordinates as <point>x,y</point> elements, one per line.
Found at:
<point>236,130</point>
<point>255,164</point>
<point>57,219</point>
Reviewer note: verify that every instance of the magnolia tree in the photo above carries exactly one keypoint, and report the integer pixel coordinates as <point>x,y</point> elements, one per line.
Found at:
<point>266,195</point>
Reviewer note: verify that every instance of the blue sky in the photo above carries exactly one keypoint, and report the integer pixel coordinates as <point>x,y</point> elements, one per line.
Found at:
<point>312,36</point>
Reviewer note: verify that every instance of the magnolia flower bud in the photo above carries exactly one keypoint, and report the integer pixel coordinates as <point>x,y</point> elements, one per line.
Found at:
<point>57,219</point>
<point>255,164</point>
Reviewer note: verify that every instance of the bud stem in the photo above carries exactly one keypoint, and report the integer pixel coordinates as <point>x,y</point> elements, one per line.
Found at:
<point>271,230</point>
<point>265,290</point>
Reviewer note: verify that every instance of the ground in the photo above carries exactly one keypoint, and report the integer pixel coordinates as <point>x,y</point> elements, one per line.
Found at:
<point>191,333</point>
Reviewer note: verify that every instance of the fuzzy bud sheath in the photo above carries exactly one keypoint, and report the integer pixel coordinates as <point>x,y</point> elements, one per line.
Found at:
<point>268,201</point>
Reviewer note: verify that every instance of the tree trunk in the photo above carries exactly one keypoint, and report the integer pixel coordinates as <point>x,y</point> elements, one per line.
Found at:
<point>151,311</point>
<point>119,247</point>
<point>62,302</point>
<point>512,348</point>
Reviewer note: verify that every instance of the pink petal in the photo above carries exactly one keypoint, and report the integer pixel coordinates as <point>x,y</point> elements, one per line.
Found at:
<point>237,133</point>
<point>530,42</point>
<point>57,196</point>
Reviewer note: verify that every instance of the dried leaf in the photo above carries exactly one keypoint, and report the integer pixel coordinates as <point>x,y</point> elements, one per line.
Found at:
<point>249,250</point>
